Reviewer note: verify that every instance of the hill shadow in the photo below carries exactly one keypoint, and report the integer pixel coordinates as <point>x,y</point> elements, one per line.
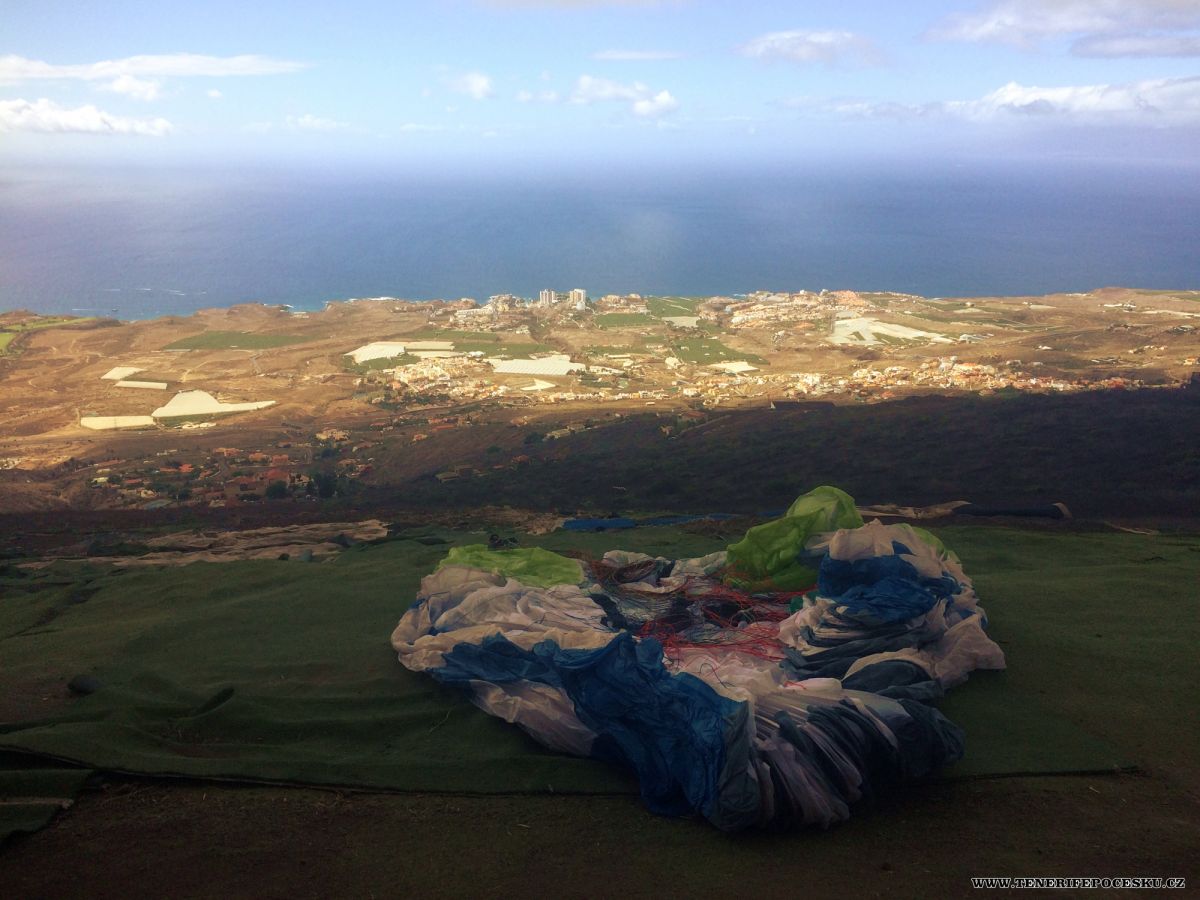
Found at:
<point>1102,453</point>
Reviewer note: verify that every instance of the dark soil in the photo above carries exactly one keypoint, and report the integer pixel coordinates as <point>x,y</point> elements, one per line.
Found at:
<point>145,839</point>
<point>1127,455</point>
<point>1112,453</point>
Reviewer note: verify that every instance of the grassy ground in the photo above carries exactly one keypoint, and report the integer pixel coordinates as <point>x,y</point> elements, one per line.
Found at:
<point>634,344</point>
<point>378,364</point>
<point>50,322</point>
<point>1114,659</point>
<point>624,320</point>
<point>486,342</point>
<point>672,306</point>
<point>601,350</point>
<point>451,334</point>
<point>9,333</point>
<point>705,350</point>
<point>231,340</point>
<point>524,348</point>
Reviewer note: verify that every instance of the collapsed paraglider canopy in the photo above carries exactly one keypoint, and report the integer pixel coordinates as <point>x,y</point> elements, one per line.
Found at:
<point>776,682</point>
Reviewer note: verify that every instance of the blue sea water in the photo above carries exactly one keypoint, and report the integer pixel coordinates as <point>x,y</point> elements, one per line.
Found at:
<point>143,243</point>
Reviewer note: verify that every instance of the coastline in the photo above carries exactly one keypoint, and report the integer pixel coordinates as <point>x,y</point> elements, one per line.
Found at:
<point>316,306</point>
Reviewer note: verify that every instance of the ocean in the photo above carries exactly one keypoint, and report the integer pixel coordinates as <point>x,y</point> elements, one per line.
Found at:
<point>139,243</point>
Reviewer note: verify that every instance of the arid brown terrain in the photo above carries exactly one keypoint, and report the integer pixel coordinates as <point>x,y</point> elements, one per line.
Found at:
<point>627,373</point>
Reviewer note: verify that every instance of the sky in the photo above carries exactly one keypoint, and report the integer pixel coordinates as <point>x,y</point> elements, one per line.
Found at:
<point>559,82</point>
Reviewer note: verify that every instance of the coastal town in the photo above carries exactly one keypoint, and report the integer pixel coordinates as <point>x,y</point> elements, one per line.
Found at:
<point>259,404</point>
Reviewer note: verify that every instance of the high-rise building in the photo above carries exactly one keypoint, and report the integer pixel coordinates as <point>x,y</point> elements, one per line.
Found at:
<point>578,298</point>
<point>547,297</point>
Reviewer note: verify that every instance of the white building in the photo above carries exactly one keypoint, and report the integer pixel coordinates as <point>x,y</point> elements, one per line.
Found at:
<point>578,298</point>
<point>501,303</point>
<point>547,297</point>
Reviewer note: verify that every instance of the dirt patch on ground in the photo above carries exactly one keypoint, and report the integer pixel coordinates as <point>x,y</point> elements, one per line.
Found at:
<point>144,839</point>
<point>181,548</point>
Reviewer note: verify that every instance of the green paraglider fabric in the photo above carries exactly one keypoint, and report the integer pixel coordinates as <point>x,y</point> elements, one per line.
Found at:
<point>532,565</point>
<point>771,556</point>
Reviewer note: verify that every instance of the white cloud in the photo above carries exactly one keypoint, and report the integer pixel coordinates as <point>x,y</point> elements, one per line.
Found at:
<point>306,122</point>
<point>309,122</point>
<point>643,101</point>
<point>1154,102</point>
<point>597,90</point>
<point>539,97</point>
<point>654,107</point>
<point>635,55</point>
<point>213,94</point>
<point>137,88</point>
<point>173,65</point>
<point>828,47</point>
<point>47,116</point>
<point>1138,45</point>
<point>475,85</point>
<point>1163,100</point>
<point>1024,22</point>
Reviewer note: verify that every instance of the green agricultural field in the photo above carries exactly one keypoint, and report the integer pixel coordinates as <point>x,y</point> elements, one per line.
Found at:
<point>673,306</point>
<point>930,318</point>
<point>629,350</point>
<point>892,341</point>
<point>48,323</point>
<point>235,340</point>
<point>623,320</point>
<point>880,298</point>
<point>449,334</point>
<point>9,333</point>
<point>491,349</point>
<point>383,362</point>
<point>704,350</point>
<point>952,305</point>
<point>488,343</point>
<point>987,317</point>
